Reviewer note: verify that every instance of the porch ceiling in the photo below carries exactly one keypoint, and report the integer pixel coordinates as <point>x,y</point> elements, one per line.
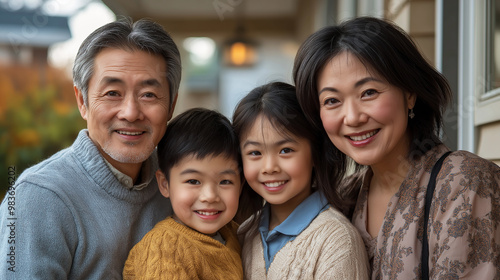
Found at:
<point>212,16</point>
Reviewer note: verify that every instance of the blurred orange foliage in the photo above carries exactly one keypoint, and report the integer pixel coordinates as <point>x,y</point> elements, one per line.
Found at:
<point>38,116</point>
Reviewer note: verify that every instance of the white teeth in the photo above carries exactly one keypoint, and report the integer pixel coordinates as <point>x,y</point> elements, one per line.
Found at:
<point>129,133</point>
<point>207,213</point>
<point>363,137</point>
<point>274,184</point>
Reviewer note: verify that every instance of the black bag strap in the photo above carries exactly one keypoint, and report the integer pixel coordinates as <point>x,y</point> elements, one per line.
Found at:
<point>428,200</point>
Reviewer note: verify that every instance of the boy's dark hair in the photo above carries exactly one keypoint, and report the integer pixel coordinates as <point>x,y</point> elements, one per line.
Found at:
<point>200,133</point>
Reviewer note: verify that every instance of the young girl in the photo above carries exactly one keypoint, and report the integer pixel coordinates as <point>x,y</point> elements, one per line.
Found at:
<point>293,232</point>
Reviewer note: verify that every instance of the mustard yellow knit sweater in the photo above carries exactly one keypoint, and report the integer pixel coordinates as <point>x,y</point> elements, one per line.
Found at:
<point>173,251</point>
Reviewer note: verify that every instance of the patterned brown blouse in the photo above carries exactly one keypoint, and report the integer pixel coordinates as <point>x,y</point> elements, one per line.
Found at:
<point>464,223</point>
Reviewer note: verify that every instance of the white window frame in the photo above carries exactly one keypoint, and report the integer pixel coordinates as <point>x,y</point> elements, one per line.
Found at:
<point>467,76</point>
<point>489,13</point>
<point>486,109</point>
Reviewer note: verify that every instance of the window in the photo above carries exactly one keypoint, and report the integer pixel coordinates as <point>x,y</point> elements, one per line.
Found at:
<point>201,68</point>
<point>492,77</point>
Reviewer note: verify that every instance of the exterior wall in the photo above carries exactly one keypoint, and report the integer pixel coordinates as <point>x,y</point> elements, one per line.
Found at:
<point>418,19</point>
<point>486,101</point>
<point>489,137</point>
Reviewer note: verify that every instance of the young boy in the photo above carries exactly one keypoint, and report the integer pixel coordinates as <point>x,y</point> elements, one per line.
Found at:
<point>200,167</point>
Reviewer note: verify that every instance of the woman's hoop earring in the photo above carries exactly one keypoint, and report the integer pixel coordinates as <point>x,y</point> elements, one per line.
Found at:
<point>411,114</point>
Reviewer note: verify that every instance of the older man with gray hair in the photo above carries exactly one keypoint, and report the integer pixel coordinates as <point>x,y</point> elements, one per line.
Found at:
<point>78,213</point>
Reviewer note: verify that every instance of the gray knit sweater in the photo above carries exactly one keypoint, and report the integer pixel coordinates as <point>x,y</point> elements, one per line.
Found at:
<point>70,218</point>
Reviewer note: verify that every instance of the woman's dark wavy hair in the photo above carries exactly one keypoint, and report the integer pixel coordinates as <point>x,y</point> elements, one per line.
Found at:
<point>277,102</point>
<point>386,49</point>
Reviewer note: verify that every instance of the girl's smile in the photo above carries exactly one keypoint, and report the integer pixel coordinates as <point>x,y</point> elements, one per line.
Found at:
<point>277,166</point>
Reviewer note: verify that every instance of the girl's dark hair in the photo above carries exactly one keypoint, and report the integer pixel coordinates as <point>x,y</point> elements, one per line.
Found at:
<point>197,132</point>
<point>389,51</point>
<point>277,103</point>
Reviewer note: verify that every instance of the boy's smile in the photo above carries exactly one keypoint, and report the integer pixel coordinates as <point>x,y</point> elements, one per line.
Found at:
<point>204,192</point>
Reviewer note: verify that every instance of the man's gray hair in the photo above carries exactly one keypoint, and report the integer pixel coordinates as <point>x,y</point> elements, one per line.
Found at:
<point>144,35</point>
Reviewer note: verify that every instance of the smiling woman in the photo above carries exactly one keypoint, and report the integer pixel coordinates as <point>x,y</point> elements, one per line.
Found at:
<point>367,87</point>
<point>361,110</point>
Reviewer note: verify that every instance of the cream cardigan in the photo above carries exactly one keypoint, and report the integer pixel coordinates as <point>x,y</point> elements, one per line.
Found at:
<point>329,248</point>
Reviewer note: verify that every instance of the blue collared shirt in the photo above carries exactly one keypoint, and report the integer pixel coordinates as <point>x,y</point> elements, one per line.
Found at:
<point>292,226</point>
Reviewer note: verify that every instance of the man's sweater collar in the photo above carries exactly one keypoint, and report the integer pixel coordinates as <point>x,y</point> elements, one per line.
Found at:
<point>91,160</point>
